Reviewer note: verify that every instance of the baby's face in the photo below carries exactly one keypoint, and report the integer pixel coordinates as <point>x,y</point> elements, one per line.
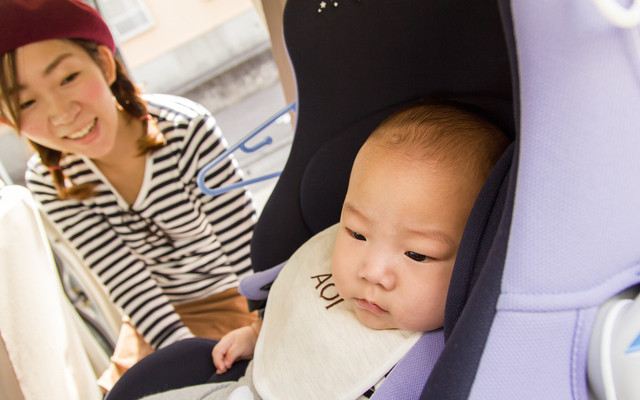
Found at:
<point>400,229</point>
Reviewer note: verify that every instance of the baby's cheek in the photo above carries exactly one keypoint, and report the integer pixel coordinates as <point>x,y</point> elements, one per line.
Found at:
<point>338,273</point>
<point>338,282</point>
<point>426,314</point>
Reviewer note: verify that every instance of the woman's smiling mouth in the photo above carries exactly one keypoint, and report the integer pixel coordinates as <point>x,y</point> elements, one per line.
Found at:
<point>83,132</point>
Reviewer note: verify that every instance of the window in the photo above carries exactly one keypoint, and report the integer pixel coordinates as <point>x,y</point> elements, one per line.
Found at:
<point>127,18</point>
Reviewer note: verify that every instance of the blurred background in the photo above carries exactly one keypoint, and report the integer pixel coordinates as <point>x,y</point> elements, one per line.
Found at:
<point>226,54</point>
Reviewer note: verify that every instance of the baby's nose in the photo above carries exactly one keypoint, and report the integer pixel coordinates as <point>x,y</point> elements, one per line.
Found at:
<point>378,272</point>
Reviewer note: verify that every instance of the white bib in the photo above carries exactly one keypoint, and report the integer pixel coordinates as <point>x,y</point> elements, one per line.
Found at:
<point>312,345</point>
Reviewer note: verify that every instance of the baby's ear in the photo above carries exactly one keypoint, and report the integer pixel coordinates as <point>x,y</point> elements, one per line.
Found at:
<point>107,64</point>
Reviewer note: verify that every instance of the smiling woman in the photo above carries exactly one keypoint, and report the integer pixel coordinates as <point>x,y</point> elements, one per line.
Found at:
<point>66,104</point>
<point>116,172</point>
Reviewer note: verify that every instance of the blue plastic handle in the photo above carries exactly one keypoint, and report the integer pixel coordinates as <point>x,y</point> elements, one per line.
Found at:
<point>635,346</point>
<point>242,145</point>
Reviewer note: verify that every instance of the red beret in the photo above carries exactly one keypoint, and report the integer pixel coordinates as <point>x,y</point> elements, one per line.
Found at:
<point>27,21</point>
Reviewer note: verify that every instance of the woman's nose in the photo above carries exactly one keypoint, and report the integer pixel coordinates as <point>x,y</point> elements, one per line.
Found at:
<point>63,112</point>
<point>378,270</point>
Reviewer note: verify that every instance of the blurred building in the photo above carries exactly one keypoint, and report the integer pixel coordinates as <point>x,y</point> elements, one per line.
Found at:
<point>172,46</point>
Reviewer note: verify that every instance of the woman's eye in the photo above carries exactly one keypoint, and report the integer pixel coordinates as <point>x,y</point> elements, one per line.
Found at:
<point>70,78</point>
<point>416,256</point>
<point>26,104</point>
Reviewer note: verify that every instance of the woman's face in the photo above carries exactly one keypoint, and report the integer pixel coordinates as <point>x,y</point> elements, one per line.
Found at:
<point>64,97</point>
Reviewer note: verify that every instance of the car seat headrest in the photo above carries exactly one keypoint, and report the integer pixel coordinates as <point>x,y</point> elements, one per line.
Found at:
<point>355,64</point>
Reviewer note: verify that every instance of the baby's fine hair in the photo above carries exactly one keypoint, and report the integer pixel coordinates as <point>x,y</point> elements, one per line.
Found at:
<point>444,134</point>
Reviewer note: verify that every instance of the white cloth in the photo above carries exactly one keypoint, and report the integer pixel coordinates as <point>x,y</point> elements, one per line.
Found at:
<point>311,345</point>
<point>43,355</point>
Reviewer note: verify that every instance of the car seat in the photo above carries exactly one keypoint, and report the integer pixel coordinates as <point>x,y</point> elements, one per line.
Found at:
<point>554,232</point>
<point>573,233</point>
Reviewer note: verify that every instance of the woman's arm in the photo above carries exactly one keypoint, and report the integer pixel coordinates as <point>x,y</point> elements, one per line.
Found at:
<point>232,215</point>
<point>129,283</point>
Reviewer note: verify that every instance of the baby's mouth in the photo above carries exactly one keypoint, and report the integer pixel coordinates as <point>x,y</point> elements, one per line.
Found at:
<point>84,131</point>
<point>371,307</point>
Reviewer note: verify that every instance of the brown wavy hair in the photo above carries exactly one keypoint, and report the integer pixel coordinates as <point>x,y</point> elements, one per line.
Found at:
<point>126,94</point>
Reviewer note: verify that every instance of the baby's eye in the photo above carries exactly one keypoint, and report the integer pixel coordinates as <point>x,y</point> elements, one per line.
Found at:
<point>357,236</point>
<point>416,256</point>
<point>70,78</point>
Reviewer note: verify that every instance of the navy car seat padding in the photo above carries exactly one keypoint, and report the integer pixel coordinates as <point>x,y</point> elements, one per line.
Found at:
<point>475,285</point>
<point>353,64</point>
<point>484,236</point>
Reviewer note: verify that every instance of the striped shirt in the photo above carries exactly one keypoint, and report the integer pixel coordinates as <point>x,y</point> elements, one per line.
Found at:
<point>174,244</point>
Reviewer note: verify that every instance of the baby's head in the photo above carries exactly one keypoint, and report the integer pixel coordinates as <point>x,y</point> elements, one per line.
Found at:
<point>411,190</point>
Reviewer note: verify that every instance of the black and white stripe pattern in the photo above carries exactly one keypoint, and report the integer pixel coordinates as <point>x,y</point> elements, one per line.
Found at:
<point>174,244</point>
